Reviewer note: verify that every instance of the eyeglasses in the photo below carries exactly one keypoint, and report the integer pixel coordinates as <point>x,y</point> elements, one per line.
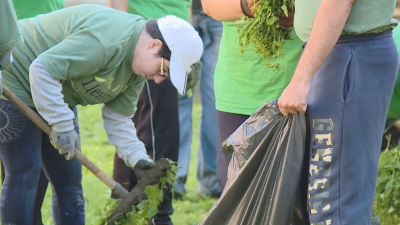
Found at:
<point>193,66</point>
<point>162,69</point>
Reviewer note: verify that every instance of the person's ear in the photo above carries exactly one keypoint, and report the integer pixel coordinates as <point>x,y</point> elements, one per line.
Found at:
<point>155,44</point>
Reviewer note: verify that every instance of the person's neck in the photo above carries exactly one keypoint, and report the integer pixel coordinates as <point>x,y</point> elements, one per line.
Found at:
<point>143,42</point>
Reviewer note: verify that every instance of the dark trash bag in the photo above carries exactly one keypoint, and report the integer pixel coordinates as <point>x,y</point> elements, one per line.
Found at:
<point>266,154</point>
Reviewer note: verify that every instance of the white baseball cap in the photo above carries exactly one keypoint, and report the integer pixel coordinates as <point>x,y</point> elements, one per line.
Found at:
<point>186,48</point>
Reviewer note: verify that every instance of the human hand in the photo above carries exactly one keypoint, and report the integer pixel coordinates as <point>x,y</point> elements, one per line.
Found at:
<point>142,167</point>
<point>194,76</point>
<point>65,142</point>
<point>294,98</point>
<point>249,7</point>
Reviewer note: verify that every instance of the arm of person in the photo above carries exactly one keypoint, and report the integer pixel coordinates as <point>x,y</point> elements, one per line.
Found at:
<point>48,99</point>
<point>328,25</point>
<point>121,5</point>
<point>191,16</point>
<point>121,133</point>
<point>224,10</point>
<point>231,10</point>
<point>80,54</point>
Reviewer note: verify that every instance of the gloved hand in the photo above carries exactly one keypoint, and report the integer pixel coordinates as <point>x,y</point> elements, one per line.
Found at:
<point>142,167</point>
<point>65,142</point>
<point>194,76</point>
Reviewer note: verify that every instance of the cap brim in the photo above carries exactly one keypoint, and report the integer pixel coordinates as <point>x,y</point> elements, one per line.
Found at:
<point>178,75</point>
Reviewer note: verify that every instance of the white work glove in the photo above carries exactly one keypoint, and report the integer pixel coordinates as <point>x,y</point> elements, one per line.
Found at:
<point>65,142</point>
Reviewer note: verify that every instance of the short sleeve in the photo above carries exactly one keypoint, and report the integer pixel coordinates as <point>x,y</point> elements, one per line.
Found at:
<point>10,35</point>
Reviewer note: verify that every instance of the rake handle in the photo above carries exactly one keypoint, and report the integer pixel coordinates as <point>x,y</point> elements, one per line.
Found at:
<point>34,117</point>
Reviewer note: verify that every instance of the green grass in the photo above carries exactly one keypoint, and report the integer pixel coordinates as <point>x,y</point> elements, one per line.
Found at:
<point>95,146</point>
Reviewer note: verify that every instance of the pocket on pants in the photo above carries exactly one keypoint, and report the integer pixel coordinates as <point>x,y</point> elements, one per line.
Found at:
<point>347,79</point>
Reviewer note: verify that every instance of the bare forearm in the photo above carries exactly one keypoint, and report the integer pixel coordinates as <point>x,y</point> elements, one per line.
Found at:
<point>191,16</point>
<point>328,25</point>
<point>223,10</point>
<point>121,5</point>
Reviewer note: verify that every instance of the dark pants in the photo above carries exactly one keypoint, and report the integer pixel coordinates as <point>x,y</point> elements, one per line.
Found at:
<point>347,107</point>
<point>25,149</point>
<point>227,124</point>
<point>391,135</point>
<point>164,98</point>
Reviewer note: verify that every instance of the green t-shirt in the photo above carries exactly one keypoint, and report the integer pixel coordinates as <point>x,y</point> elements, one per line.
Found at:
<point>394,109</point>
<point>243,82</point>
<point>10,35</point>
<point>369,16</point>
<point>31,8</point>
<point>150,9</point>
<point>89,48</point>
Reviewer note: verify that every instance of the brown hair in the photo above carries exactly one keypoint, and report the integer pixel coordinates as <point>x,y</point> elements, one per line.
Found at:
<point>154,32</point>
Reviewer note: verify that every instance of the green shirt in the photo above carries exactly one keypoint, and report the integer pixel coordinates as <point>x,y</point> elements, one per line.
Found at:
<point>394,109</point>
<point>243,82</point>
<point>89,48</point>
<point>158,8</point>
<point>10,35</point>
<point>31,8</point>
<point>368,16</point>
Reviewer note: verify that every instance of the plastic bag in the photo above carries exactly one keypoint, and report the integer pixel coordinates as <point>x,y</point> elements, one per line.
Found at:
<point>266,153</point>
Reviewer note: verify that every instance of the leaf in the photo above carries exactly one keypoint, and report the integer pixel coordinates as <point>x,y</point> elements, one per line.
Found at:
<point>143,205</point>
<point>148,208</point>
<point>152,210</point>
<point>153,193</point>
<point>284,8</point>
<point>272,20</point>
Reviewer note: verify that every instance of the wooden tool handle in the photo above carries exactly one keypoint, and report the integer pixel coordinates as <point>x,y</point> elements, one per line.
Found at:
<point>32,115</point>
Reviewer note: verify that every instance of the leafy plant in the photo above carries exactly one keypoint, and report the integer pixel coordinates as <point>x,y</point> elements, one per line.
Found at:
<point>264,31</point>
<point>147,209</point>
<point>387,197</point>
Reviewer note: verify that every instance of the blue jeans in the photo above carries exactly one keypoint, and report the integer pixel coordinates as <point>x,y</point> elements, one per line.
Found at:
<point>210,31</point>
<point>347,108</point>
<point>24,149</point>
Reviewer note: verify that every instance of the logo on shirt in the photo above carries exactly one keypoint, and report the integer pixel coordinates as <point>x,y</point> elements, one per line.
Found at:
<point>99,89</point>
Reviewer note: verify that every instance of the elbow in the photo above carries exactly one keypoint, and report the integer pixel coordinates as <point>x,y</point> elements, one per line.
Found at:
<point>33,69</point>
<point>33,65</point>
